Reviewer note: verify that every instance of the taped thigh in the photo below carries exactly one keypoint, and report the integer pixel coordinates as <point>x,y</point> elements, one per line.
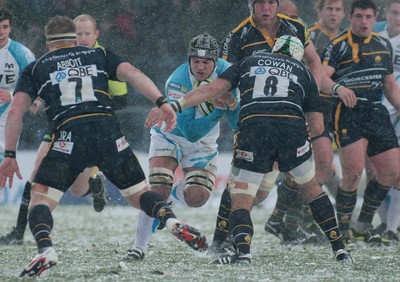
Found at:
<point>268,181</point>
<point>200,178</point>
<point>52,194</point>
<point>161,176</point>
<point>252,181</point>
<point>304,172</point>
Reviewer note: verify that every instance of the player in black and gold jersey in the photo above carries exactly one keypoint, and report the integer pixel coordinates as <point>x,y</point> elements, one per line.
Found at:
<point>331,14</point>
<point>73,83</point>
<point>359,61</point>
<point>256,34</point>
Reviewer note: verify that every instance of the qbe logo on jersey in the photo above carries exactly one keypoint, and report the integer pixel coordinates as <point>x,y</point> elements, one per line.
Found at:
<point>75,83</point>
<point>271,81</point>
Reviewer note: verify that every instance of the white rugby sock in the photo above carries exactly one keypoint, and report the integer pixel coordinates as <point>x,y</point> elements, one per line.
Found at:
<point>178,193</point>
<point>146,226</point>
<point>383,209</point>
<point>393,212</point>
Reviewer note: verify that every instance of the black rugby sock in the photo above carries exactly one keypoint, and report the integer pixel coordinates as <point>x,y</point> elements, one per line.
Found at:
<point>22,219</point>
<point>222,223</point>
<point>242,230</point>
<point>324,215</point>
<point>41,224</point>
<point>345,203</point>
<point>153,205</point>
<point>286,197</point>
<point>374,194</point>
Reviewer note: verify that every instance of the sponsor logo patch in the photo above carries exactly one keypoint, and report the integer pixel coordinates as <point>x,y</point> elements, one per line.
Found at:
<point>122,144</point>
<point>244,155</point>
<point>303,149</point>
<point>63,147</point>
<point>174,95</point>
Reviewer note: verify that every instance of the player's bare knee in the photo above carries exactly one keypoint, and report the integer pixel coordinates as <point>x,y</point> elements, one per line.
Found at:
<point>198,188</point>
<point>196,196</point>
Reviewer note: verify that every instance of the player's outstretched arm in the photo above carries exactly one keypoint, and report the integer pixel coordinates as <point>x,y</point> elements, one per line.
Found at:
<point>143,84</point>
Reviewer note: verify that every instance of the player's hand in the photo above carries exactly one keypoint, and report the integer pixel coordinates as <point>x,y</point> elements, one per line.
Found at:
<point>347,96</point>
<point>152,117</point>
<point>219,104</point>
<point>168,115</point>
<point>8,168</point>
<point>229,100</point>
<point>5,96</point>
<point>158,115</point>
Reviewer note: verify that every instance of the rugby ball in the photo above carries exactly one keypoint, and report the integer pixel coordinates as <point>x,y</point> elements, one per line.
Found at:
<point>207,107</point>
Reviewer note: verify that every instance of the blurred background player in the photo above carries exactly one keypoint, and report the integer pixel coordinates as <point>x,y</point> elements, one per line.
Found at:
<point>91,181</point>
<point>14,57</point>
<point>193,143</point>
<point>288,8</point>
<point>389,211</point>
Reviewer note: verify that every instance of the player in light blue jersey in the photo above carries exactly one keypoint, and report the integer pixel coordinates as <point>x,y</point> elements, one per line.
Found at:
<point>14,57</point>
<point>389,211</point>
<point>193,143</point>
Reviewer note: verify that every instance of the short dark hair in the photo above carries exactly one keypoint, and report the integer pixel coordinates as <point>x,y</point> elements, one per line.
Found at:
<point>363,5</point>
<point>5,15</point>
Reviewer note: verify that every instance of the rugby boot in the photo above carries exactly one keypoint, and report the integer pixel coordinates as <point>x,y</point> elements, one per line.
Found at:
<point>343,256</point>
<point>134,254</point>
<point>15,237</point>
<point>191,236</point>
<point>233,259</point>
<point>40,263</point>
<point>97,186</point>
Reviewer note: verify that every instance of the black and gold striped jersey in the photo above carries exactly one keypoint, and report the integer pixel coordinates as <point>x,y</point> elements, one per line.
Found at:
<point>246,39</point>
<point>73,83</point>
<point>320,36</point>
<point>273,86</point>
<point>360,64</point>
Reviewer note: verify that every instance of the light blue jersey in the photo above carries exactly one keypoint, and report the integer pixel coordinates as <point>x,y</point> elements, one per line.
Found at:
<point>191,124</point>
<point>193,142</point>
<point>14,57</point>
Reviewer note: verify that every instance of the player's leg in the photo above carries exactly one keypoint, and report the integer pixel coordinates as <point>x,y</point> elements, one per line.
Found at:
<point>387,165</point>
<point>287,194</point>
<point>51,173</point>
<point>243,186</point>
<point>321,207</point>
<point>352,158</point>
<point>17,234</point>
<point>161,177</point>
<point>198,163</point>
<point>129,178</point>
<point>43,202</point>
<point>220,243</point>
<point>91,182</point>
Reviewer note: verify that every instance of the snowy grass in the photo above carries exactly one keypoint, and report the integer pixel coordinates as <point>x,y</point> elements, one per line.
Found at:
<point>91,245</point>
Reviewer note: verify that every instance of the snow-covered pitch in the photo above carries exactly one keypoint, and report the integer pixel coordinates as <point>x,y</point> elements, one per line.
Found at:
<point>91,246</point>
